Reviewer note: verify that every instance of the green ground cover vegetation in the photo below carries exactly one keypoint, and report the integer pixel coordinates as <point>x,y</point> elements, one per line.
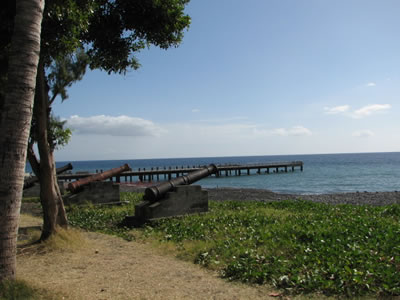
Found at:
<point>20,290</point>
<point>298,246</point>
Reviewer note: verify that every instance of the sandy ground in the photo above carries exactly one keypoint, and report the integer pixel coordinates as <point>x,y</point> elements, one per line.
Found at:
<point>107,267</point>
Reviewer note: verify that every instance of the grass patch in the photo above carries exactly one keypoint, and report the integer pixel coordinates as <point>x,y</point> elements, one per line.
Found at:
<point>298,246</point>
<point>106,219</point>
<point>29,237</point>
<point>64,240</point>
<point>21,290</point>
<point>26,220</point>
<point>31,200</point>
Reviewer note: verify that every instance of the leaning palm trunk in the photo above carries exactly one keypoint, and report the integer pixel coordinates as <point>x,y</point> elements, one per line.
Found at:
<point>15,122</point>
<point>50,197</point>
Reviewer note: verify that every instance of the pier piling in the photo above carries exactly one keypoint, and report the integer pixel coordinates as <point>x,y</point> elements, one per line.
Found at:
<point>167,173</point>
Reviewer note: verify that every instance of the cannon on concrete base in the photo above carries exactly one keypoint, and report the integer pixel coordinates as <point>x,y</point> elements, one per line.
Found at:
<point>175,197</point>
<point>77,186</point>
<point>157,192</point>
<point>29,182</point>
<point>94,189</point>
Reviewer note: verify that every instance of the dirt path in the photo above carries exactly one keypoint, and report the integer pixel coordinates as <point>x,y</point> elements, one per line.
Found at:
<point>108,267</point>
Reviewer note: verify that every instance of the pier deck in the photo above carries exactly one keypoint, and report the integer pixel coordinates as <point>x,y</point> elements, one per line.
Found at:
<point>166,173</point>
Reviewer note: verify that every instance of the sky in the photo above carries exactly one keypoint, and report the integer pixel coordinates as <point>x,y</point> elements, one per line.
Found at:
<point>256,77</point>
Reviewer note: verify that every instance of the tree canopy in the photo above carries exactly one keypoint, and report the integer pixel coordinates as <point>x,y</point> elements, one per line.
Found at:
<point>110,31</point>
<point>103,34</point>
<point>118,29</point>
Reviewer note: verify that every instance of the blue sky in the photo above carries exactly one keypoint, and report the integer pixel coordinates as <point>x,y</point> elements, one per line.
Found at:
<point>257,77</point>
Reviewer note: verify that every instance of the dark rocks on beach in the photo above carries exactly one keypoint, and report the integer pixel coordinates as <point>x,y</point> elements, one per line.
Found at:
<point>243,194</point>
<point>357,198</point>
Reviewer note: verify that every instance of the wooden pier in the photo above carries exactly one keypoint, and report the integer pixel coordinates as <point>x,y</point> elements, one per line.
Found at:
<point>167,173</point>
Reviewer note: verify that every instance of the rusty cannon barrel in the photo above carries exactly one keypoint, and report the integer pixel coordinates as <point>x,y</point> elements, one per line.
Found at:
<point>64,169</point>
<point>31,181</point>
<point>156,192</point>
<point>77,185</point>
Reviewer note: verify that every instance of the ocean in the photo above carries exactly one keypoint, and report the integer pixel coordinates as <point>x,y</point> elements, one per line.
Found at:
<point>323,173</point>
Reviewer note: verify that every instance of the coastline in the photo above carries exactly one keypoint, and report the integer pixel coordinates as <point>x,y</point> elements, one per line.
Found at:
<point>356,198</point>
<point>248,194</point>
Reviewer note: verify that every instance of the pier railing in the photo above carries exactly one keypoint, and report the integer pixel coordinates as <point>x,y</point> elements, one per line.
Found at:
<point>167,173</point>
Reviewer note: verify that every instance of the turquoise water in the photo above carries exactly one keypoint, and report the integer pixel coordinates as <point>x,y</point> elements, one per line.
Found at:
<point>323,173</point>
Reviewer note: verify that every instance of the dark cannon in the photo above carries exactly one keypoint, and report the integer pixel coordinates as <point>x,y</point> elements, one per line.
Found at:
<point>64,169</point>
<point>154,193</point>
<point>77,185</point>
<point>29,182</point>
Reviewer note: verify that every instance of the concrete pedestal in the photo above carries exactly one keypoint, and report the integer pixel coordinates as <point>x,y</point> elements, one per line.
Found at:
<point>185,199</point>
<point>34,191</point>
<point>99,192</point>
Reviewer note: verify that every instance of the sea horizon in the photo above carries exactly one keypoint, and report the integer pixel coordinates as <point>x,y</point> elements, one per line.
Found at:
<point>323,173</point>
<point>228,156</point>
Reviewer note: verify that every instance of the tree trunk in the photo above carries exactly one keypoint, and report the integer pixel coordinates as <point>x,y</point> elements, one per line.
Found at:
<point>15,122</point>
<point>33,160</point>
<point>50,196</point>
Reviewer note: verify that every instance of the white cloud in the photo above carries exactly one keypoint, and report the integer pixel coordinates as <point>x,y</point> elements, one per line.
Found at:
<point>370,109</point>
<point>337,109</point>
<point>223,120</point>
<point>363,133</point>
<point>299,131</point>
<point>195,110</point>
<point>359,113</point>
<point>197,139</point>
<point>193,139</point>
<point>113,126</point>
<point>370,84</point>
<point>276,131</point>
<point>293,131</point>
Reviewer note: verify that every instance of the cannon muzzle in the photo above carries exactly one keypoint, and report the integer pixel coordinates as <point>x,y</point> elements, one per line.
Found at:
<point>156,192</point>
<point>77,185</point>
<point>64,169</point>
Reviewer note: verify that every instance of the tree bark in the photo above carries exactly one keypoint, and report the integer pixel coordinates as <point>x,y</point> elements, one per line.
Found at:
<point>15,122</point>
<point>50,197</point>
<point>33,160</point>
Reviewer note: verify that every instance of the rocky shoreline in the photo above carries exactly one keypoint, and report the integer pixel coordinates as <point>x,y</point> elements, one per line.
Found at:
<point>245,194</point>
<point>357,198</point>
